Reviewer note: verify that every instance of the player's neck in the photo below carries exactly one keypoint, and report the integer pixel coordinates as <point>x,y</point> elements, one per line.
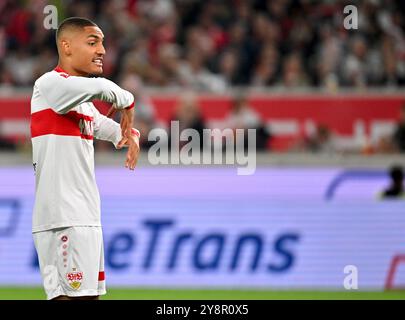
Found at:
<point>69,70</point>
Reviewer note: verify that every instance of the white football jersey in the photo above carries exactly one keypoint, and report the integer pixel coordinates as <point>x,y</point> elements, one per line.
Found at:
<point>64,123</point>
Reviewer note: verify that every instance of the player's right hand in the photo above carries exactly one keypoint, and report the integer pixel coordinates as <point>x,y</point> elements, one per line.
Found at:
<point>133,152</point>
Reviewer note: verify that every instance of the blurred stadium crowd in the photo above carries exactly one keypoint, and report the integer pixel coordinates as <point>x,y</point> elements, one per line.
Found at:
<point>211,45</point>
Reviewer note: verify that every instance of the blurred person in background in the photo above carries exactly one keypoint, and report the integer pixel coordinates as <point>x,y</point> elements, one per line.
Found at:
<point>239,44</point>
<point>46,60</point>
<point>194,75</point>
<point>321,140</point>
<point>229,64</point>
<point>169,63</point>
<point>21,65</point>
<point>392,24</point>
<point>6,80</point>
<point>398,138</point>
<point>384,145</point>
<point>267,70</point>
<point>396,189</point>
<point>242,116</point>
<point>363,65</point>
<point>188,114</point>
<point>136,57</point>
<point>6,144</point>
<point>329,52</point>
<point>293,74</point>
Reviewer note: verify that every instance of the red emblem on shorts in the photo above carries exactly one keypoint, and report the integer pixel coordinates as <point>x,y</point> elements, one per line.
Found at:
<point>75,279</point>
<point>64,238</point>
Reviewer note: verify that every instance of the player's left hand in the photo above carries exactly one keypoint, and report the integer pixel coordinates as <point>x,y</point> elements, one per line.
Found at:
<point>133,150</point>
<point>126,122</point>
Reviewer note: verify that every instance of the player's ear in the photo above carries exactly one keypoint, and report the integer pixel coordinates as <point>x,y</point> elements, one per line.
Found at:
<point>66,48</point>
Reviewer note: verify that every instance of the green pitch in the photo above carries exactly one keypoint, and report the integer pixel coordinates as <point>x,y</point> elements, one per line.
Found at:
<point>30,293</point>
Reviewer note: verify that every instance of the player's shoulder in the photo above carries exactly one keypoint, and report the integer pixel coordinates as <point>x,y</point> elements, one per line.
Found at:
<point>51,76</point>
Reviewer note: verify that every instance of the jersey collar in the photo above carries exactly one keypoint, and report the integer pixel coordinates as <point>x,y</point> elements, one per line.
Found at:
<point>62,72</point>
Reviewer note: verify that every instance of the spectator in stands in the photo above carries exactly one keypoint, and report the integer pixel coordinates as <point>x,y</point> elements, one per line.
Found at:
<point>363,65</point>
<point>242,116</point>
<point>189,116</point>
<point>259,43</point>
<point>6,80</point>
<point>6,144</point>
<point>240,45</point>
<point>46,61</point>
<point>169,63</point>
<point>322,141</point>
<point>293,73</point>
<point>194,75</point>
<point>396,189</point>
<point>329,53</point>
<point>21,66</point>
<point>229,67</point>
<point>267,70</point>
<point>399,134</point>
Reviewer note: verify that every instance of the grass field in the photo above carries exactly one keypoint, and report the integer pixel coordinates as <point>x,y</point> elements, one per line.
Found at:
<point>33,293</point>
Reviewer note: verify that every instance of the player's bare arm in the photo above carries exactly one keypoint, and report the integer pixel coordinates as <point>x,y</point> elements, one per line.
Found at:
<point>126,122</point>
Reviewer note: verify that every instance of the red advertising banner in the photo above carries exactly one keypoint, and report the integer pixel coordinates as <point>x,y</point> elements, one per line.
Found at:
<point>287,117</point>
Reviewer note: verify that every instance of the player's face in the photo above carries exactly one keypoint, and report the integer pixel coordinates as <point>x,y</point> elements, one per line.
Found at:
<point>88,51</point>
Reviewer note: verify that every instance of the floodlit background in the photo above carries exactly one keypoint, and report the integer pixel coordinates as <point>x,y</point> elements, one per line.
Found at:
<point>328,106</point>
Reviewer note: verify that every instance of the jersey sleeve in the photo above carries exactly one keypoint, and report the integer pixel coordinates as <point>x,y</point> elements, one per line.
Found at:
<point>64,93</point>
<point>105,128</point>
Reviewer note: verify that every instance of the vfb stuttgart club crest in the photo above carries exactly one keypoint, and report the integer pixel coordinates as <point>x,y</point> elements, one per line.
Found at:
<point>75,279</point>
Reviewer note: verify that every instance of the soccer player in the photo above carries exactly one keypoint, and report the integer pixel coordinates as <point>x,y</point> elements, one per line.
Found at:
<point>66,219</point>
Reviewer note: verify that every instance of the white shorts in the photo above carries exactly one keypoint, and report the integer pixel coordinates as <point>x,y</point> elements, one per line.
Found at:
<point>71,261</point>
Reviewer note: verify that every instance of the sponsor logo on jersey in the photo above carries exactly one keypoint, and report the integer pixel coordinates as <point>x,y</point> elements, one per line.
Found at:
<point>86,127</point>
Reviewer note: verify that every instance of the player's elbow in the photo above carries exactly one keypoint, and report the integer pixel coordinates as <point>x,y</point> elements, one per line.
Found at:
<point>96,88</point>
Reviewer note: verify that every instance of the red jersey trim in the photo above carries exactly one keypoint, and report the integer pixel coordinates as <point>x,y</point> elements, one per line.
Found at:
<point>135,132</point>
<point>47,121</point>
<point>62,72</point>
<point>132,105</point>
